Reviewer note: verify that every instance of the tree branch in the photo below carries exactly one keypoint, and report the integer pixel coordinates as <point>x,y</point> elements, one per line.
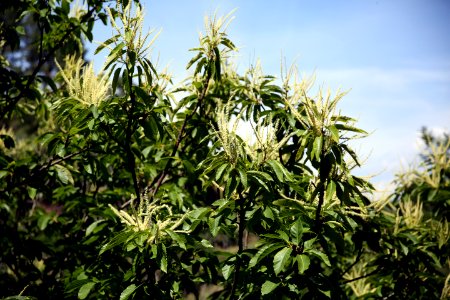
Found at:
<point>129,133</point>
<point>181,135</point>
<point>241,224</point>
<point>6,110</point>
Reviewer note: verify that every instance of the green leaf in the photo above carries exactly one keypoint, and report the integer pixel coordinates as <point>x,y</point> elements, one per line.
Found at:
<point>115,79</point>
<point>85,290</point>
<point>352,153</point>
<point>92,227</point>
<point>220,170</point>
<point>213,224</point>
<point>206,244</point>
<point>243,177</point>
<point>106,43</point>
<point>280,259</point>
<point>260,177</point>
<point>303,263</point>
<point>297,231</point>
<point>193,60</point>
<point>320,255</point>
<point>231,186</point>
<point>31,192</point>
<point>268,287</point>
<point>64,174</point>
<point>217,72</point>
<point>126,293</point>
<point>43,221</point>
<point>118,239</point>
<point>331,190</point>
<point>163,262</point>
<point>334,133</point>
<point>349,128</point>
<point>227,270</point>
<point>278,169</point>
<point>317,147</point>
<point>263,252</point>
<point>3,173</point>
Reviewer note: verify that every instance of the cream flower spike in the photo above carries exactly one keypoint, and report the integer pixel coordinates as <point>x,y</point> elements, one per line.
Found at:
<point>147,218</point>
<point>82,83</point>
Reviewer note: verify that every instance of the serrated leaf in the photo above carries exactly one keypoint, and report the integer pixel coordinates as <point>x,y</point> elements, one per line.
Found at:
<point>303,263</point>
<point>331,190</point>
<point>280,259</point>
<point>193,60</point>
<point>243,177</point>
<point>118,239</point>
<point>92,227</point>
<point>263,252</point>
<point>334,133</point>
<point>115,79</point>
<point>106,43</point>
<point>227,270</point>
<point>84,291</point>
<point>268,287</point>
<point>64,174</point>
<point>278,168</point>
<point>297,231</point>
<point>317,147</point>
<point>349,128</point>
<point>126,293</point>
<point>321,255</point>
<point>31,192</point>
<point>206,244</point>
<point>220,170</point>
<point>163,262</point>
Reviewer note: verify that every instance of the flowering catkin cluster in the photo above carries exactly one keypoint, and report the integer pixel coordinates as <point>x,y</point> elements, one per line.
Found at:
<point>82,83</point>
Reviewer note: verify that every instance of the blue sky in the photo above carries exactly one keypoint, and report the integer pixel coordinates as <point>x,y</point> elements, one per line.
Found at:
<point>393,56</point>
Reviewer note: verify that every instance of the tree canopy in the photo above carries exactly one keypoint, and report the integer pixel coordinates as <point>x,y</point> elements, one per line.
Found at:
<point>122,183</point>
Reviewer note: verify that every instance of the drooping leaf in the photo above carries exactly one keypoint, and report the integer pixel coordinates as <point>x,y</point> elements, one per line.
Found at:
<point>320,255</point>
<point>303,263</point>
<point>227,270</point>
<point>64,174</point>
<point>280,259</point>
<point>126,293</point>
<point>268,287</point>
<point>85,290</point>
<point>263,252</point>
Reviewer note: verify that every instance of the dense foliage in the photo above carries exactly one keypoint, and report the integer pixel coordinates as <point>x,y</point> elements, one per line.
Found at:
<point>124,184</point>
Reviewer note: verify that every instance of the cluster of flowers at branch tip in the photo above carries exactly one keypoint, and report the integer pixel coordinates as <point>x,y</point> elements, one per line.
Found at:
<point>409,212</point>
<point>266,146</point>
<point>215,32</point>
<point>230,141</point>
<point>360,287</point>
<point>82,83</point>
<point>320,112</point>
<point>150,218</point>
<point>78,9</point>
<point>437,156</point>
<point>131,30</point>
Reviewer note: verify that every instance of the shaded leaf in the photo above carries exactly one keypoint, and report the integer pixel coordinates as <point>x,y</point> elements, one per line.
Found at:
<point>280,259</point>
